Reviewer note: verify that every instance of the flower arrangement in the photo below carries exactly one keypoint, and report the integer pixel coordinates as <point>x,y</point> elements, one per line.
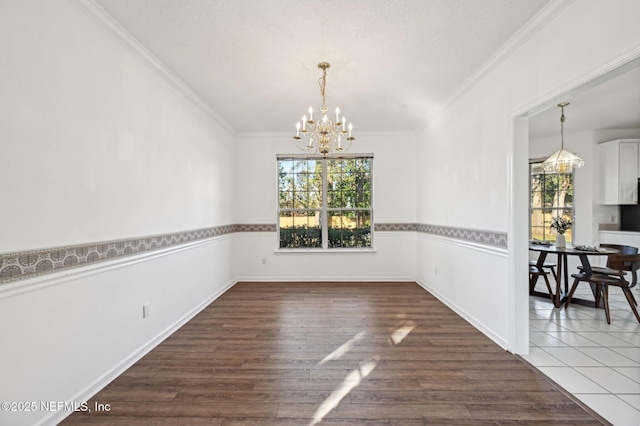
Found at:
<point>560,224</point>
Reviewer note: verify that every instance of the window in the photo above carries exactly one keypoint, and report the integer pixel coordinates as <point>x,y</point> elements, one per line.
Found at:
<point>324,202</point>
<point>551,196</point>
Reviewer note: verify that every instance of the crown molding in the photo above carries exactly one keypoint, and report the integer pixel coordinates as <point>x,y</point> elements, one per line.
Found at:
<point>532,27</point>
<point>615,67</point>
<point>122,36</point>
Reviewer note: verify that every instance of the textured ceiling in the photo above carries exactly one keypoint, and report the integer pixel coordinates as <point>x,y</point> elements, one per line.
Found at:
<point>255,61</point>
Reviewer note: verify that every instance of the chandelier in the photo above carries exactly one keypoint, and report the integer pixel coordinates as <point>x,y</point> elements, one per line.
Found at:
<point>562,161</point>
<point>323,135</point>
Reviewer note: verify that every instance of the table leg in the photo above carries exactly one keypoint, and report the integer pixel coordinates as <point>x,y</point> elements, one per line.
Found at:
<point>562,274</point>
<point>565,260</point>
<point>586,265</point>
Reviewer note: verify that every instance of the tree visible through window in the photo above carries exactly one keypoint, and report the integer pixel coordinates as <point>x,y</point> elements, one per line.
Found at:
<point>324,203</point>
<point>551,196</point>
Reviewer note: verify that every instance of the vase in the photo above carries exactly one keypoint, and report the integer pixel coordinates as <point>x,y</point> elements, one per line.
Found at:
<point>561,242</point>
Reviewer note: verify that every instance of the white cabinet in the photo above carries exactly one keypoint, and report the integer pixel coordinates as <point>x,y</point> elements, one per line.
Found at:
<point>619,166</point>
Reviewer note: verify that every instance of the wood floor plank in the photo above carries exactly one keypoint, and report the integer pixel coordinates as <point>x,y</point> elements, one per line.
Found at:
<point>88,420</point>
<point>382,412</point>
<point>331,354</point>
<point>326,422</point>
<point>329,385</point>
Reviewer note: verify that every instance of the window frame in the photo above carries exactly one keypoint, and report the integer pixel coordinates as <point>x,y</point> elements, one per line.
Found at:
<point>324,209</point>
<point>546,231</point>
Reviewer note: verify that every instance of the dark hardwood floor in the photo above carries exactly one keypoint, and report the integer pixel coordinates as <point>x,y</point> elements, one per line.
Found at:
<point>330,354</point>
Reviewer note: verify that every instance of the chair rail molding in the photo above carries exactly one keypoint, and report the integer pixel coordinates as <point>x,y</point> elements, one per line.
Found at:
<point>28,264</point>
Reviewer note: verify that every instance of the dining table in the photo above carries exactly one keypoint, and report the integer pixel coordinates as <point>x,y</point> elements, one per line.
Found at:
<point>562,274</point>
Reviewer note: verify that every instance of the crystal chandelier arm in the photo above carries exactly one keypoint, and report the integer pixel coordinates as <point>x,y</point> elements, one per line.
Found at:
<point>307,147</point>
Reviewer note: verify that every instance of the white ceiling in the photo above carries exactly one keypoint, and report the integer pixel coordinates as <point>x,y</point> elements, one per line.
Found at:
<point>255,61</point>
<point>392,62</point>
<point>610,102</point>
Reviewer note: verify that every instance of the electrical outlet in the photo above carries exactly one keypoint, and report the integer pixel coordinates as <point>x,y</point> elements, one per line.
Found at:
<point>145,310</point>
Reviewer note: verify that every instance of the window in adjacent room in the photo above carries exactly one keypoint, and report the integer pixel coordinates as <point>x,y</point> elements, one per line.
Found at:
<point>551,196</point>
<point>325,203</point>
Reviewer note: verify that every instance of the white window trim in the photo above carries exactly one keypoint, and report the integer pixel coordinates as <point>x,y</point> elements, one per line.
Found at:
<point>324,209</point>
<point>573,203</point>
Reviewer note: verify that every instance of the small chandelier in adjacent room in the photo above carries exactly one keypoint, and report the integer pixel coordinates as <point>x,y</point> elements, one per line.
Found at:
<point>324,135</point>
<point>562,161</point>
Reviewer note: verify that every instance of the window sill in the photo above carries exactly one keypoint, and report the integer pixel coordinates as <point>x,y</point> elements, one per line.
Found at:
<point>328,251</point>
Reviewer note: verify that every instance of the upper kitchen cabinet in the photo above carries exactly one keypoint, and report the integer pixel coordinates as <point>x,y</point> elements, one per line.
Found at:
<point>619,171</point>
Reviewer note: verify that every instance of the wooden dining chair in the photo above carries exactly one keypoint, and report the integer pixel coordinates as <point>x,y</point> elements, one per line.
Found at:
<point>608,270</point>
<point>600,282</point>
<point>546,265</point>
<point>536,272</point>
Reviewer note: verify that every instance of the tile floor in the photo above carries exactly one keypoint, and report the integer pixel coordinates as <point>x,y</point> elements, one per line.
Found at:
<point>597,362</point>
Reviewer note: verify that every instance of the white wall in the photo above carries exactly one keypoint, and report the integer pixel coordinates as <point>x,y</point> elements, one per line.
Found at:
<point>479,156</point>
<point>394,172</point>
<point>98,145</point>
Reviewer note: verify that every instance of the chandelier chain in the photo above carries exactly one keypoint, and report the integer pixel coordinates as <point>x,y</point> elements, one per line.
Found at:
<point>562,126</point>
<point>322,81</point>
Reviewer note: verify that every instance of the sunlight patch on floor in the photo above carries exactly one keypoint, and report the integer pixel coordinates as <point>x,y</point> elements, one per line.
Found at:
<point>402,332</point>
<point>352,380</point>
<point>346,347</point>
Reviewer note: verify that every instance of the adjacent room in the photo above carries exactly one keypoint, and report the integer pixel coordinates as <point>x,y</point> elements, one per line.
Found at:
<point>298,212</point>
<point>595,359</point>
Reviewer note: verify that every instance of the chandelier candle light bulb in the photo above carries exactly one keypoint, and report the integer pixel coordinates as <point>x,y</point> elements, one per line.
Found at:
<point>325,136</point>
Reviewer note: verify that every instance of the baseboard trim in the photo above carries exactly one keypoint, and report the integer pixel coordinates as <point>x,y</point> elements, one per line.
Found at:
<point>470,319</point>
<point>99,384</point>
<point>316,279</point>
